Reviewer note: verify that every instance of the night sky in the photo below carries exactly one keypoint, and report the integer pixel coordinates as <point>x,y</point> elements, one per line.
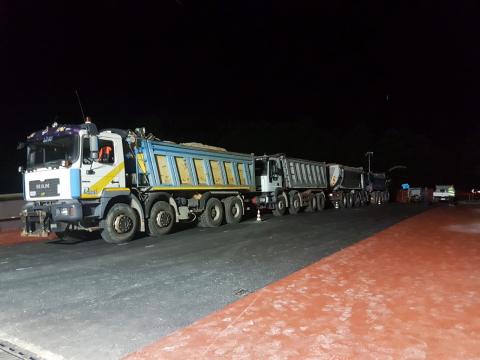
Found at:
<point>322,80</point>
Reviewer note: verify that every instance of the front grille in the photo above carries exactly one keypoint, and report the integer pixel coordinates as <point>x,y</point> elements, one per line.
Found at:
<point>46,188</point>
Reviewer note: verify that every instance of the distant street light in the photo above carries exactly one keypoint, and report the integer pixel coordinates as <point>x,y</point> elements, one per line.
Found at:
<point>369,154</point>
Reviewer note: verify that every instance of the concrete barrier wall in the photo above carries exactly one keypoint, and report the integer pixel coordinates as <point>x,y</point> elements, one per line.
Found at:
<point>10,206</point>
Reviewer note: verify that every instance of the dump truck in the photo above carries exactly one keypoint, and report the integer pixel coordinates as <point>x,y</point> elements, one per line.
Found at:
<point>119,182</point>
<point>377,187</point>
<point>288,184</point>
<point>347,186</point>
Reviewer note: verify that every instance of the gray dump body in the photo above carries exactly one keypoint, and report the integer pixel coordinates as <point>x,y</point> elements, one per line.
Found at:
<point>345,177</point>
<point>304,174</point>
<point>376,181</point>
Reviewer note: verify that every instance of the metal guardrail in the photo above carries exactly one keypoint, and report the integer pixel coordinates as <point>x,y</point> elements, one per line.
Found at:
<point>10,197</point>
<point>7,197</point>
<point>10,218</point>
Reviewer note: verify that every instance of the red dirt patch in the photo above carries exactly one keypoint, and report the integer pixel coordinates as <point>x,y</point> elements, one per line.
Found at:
<point>13,237</point>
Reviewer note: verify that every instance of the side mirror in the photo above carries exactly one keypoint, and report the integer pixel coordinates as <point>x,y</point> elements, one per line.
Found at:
<point>94,147</point>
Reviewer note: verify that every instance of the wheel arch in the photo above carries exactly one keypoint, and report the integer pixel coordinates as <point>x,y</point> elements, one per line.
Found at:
<point>132,200</point>
<point>160,196</point>
<point>281,192</point>
<point>106,204</point>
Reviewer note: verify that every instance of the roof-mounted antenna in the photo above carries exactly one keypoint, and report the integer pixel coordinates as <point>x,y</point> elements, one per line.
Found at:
<point>80,103</point>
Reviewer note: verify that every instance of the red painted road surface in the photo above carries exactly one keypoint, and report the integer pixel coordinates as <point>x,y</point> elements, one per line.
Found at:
<point>12,237</point>
<point>409,292</point>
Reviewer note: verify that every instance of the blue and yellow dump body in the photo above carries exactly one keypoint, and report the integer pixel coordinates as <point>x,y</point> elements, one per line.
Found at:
<point>168,166</point>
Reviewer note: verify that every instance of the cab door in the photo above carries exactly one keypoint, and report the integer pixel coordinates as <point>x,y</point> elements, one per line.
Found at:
<point>275,174</point>
<point>106,172</point>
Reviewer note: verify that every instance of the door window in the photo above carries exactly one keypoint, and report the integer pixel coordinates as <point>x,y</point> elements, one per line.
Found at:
<point>106,154</point>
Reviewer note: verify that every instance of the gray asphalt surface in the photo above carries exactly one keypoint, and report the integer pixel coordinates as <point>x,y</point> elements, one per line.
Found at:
<point>92,300</point>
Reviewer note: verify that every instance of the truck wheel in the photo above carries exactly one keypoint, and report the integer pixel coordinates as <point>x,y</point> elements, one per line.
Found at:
<point>364,198</point>
<point>233,210</point>
<point>161,219</point>
<point>321,201</point>
<point>280,206</point>
<point>121,224</point>
<point>212,216</point>
<point>295,204</point>
<point>343,200</point>
<point>312,204</point>
<point>349,200</point>
<point>357,199</point>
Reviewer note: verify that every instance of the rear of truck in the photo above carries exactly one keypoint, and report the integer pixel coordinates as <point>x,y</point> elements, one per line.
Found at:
<point>377,188</point>
<point>347,186</point>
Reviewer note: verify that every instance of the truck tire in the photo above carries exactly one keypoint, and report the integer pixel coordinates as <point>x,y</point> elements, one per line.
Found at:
<point>364,198</point>
<point>233,210</point>
<point>312,204</point>
<point>295,204</point>
<point>121,224</point>
<point>321,201</point>
<point>349,200</point>
<point>343,200</point>
<point>357,199</point>
<point>280,206</point>
<point>161,219</point>
<point>212,216</point>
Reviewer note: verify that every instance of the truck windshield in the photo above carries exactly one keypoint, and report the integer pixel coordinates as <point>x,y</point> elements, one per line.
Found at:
<point>260,167</point>
<point>52,150</point>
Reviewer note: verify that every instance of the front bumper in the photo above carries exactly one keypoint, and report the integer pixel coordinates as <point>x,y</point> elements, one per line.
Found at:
<point>40,219</point>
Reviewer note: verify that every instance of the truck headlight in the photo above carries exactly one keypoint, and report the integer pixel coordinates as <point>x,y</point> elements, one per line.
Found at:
<point>65,211</point>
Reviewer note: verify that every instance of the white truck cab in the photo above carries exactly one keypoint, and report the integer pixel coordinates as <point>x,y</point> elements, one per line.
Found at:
<point>268,174</point>
<point>68,169</point>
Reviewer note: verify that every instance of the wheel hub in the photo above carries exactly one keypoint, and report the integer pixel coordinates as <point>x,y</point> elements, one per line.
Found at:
<point>235,210</point>
<point>163,219</point>
<point>122,224</point>
<point>214,213</point>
